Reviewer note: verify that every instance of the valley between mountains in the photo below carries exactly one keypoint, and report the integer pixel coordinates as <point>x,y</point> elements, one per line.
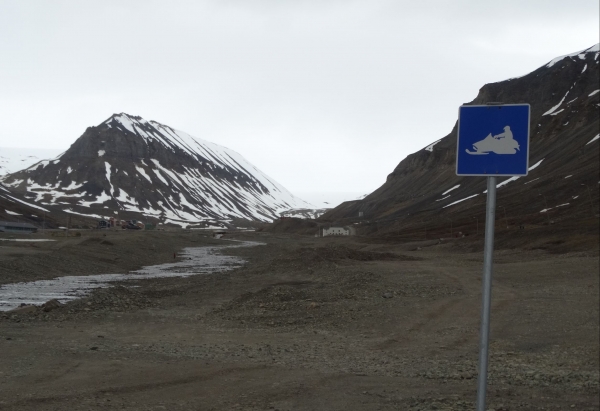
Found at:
<point>387,319</point>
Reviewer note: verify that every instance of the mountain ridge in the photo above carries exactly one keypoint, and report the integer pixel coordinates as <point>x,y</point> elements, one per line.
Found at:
<point>128,165</point>
<point>564,121</point>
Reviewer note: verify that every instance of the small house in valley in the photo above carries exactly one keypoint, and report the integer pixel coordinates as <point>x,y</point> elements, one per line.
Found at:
<point>24,228</point>
<point>328,231</point>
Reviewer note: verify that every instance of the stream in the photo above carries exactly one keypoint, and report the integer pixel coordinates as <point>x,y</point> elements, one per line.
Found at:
<point>193,261</point>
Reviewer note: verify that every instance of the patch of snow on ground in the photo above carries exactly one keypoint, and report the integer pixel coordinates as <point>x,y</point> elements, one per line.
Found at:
<point>536,165</point>
<point>505,182</point>
<point>593,93</point>
<point>460,201</point>
<point>160,176</point>
<point>592,49</point>
<point>14,183</point>
<point>124,120</point>
<point>594,139</point>
<point>176,222</point>
<point>515,178</point>
<point>103,197</point>
<point>548,209</point>
<point>42,164</point>
<point>101,153</point>
<point>125,198</point>
<point>430,147</point>
<point>450,189</point>
<point>112,189</point>
<point>12,212</point>
<point>440,199</point>
<point>142,172</point>
<point>569,176</point>
<point>84,215</point>
<point>29,204</point>
<point>72,186</point>
<point>553,109</point>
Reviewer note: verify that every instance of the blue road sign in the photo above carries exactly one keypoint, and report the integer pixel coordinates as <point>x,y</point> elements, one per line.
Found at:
<point>493,140</point>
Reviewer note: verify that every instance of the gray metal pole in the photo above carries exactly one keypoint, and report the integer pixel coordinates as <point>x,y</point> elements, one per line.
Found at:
<point>488,259</point>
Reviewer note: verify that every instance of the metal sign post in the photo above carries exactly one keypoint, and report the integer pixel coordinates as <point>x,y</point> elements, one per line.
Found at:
<point>486,292</point>
<point>493,140</point>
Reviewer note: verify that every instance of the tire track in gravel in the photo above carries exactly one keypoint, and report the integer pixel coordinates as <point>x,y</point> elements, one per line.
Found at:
<point>136,388</point>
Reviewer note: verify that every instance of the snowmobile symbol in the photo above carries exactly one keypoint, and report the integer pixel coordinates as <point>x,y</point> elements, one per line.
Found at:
<point>502,143</point>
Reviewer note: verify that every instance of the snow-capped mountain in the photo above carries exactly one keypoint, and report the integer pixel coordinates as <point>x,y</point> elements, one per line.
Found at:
<point>305,213</point>
<point>127,165</point>
<point>15,159</point>
<point>563,173</point>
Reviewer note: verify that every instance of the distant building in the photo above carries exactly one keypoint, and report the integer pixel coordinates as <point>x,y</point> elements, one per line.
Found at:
<point>327,231</point>
<point>218,234</point>
<point>25,228</point>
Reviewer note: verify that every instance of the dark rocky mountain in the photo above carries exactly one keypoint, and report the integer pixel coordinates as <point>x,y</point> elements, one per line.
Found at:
<point>15,209</point>
<point>423,192</point>
<point>128,167</point>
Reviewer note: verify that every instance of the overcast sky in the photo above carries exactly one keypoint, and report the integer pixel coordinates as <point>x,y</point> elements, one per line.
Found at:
<point>325,96</point>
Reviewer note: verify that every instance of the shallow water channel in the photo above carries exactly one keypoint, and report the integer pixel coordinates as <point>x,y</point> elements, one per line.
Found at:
<point>193,261</point>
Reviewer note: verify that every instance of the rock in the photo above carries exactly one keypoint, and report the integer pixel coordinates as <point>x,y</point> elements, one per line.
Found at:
<point>51,305</point>
<point>388,295</point>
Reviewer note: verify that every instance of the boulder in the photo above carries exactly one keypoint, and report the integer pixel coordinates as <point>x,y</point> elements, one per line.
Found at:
<point>51,305</point>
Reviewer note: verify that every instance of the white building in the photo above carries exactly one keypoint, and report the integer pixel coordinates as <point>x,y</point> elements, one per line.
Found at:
<point>337,231</point>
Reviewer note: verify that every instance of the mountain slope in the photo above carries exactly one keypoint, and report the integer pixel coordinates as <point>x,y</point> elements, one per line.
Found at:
<point>564,98</point>
<point>128,166</point>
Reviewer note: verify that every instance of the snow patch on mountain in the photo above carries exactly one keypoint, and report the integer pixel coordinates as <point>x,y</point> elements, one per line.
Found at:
<point>594,139</point>
<point>430,147</point>
<point>581,54</point>
<point>450,189</point>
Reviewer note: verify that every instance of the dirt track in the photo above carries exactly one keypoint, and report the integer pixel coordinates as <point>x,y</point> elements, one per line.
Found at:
<point>308,324</point>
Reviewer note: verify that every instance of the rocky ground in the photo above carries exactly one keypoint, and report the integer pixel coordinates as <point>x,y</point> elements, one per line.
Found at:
<point>307,324</point>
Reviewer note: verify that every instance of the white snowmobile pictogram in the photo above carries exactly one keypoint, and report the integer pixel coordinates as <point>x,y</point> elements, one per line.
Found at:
<point>502,143</point>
